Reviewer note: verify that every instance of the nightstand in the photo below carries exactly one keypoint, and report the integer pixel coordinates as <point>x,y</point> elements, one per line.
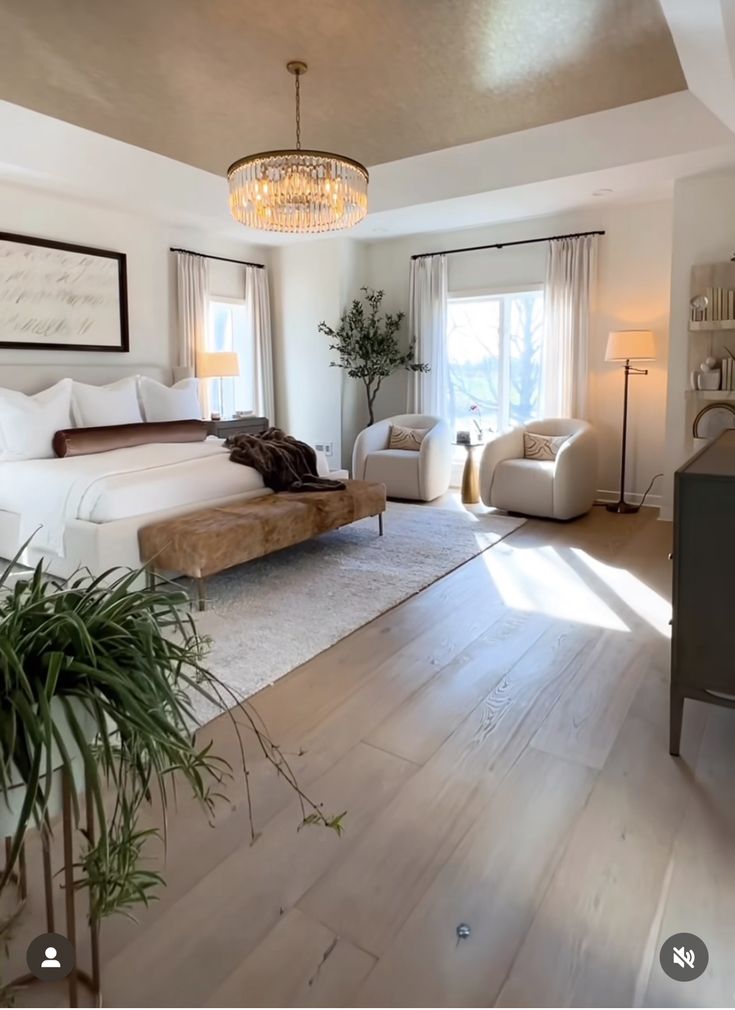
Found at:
<point>231,426</point>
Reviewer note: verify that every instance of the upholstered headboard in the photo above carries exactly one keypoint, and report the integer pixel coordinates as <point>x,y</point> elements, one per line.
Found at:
<point>31,378</point>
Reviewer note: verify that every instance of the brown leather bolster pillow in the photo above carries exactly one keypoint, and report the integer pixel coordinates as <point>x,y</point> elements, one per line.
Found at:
<point>85,441</point>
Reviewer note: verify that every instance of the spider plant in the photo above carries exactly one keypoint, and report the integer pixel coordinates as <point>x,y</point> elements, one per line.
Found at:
<point>96,674</point>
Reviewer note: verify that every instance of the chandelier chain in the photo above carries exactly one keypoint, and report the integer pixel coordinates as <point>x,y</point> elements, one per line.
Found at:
<point>298,111</point>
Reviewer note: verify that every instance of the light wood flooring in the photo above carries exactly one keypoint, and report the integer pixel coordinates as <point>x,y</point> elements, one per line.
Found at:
<point>500,744</point>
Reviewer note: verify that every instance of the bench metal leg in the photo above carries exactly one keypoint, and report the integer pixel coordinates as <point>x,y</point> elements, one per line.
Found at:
<point>380,524</point>
<point>201,594</point>
<point>150,577</point>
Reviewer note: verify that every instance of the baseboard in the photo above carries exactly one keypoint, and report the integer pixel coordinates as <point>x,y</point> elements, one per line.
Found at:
<point>653,501</point>
<point>634,497</point>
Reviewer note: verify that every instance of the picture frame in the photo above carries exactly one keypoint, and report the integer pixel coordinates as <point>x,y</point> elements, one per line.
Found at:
<point>59,296</point>
<point>463,438</point>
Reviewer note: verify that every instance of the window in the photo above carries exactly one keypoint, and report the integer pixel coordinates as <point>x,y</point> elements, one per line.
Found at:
<point>494,345</point>
<point>229,330</point>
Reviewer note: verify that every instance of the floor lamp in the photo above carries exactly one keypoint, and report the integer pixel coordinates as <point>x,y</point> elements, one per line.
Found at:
<point>627,346</point>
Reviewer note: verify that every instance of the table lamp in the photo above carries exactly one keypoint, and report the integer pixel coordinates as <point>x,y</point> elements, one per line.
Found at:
<point>218,365</point>
<point>627,346</point>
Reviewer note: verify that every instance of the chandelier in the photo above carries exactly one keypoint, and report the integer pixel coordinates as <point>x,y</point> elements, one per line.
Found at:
<point>298,190</point>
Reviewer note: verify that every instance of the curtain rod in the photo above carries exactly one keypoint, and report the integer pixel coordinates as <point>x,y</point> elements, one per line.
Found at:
<point>223,259</point>
<point>502,245</point>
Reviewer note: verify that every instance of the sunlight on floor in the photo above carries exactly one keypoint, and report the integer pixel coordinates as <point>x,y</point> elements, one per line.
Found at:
<point>636,595</point>
<point>539,579</point>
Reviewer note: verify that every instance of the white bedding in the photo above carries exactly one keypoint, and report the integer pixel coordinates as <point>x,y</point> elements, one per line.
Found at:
<point>119,484</point>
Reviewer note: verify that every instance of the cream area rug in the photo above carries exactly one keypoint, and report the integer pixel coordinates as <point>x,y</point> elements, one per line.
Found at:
<point>269,616</point>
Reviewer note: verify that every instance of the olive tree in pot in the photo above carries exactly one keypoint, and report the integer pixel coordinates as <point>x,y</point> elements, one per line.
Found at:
<point>369,347</point>
<point>96,681</point>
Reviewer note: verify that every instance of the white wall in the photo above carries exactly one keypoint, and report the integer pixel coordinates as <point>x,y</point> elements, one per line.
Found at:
<point>633,292</point>
<point>311,282</point>
<point>150,268</point>
<point>703,232</point>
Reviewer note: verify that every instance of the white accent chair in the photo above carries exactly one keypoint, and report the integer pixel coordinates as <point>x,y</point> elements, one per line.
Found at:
<point>418,476</point>
<point>560,489</point>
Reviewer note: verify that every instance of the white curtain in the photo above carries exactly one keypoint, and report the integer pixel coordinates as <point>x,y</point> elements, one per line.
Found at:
<point>192,274</point>
<point>258,306</point>
<point>571,272</point>
<point>427,325</point>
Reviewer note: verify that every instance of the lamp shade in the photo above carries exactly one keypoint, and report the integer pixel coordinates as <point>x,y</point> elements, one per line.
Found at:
<point>217,365</point>
<point>630,345</point>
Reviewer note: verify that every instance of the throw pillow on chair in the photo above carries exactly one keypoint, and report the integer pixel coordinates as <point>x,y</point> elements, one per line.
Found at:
<point>406,438</point>
<point>537,446</point>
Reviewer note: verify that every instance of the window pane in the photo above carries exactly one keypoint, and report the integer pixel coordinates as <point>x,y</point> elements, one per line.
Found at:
<point>494,347</point>
<point>220,327</point>
<point>524,335</point>
<point>243,387</point>
<point>473,349</point>
<point>229,330</point>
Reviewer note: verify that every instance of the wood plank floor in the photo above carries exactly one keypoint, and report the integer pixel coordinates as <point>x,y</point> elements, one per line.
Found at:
<point>500,744</point>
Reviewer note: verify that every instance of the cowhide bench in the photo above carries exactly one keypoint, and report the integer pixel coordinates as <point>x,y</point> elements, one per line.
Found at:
<point>204,543</point>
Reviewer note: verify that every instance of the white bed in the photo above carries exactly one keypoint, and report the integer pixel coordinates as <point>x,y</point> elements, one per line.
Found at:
<point>85,511</point>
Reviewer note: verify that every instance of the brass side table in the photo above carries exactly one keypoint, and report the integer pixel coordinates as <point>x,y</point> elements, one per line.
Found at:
<point>470,477</point>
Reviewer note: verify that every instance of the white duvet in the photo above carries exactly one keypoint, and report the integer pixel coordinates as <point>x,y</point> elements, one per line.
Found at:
<point>119,484</point>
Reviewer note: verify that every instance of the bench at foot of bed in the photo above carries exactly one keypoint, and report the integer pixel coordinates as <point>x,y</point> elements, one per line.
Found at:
<point>209,541</point>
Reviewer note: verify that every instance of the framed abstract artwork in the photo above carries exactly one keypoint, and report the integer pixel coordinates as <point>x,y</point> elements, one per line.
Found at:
<point>62,297</point>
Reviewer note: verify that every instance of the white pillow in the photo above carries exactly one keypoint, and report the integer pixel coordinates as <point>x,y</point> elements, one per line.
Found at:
<point>169,403</point>
<point>117,403</point>
<point>29,423</point>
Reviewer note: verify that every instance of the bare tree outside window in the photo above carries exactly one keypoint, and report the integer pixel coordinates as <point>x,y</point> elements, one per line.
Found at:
<point>494,345</point>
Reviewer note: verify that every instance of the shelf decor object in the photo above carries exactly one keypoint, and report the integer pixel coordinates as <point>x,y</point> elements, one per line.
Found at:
<point>714,308</point>
<point>708,376</point>
<point>297,190</point>
<point>713,419</point>
<point>626,346</point>
<point>712,300</point>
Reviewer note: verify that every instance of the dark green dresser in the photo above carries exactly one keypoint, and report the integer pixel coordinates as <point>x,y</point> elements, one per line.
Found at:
<point>703,625</point>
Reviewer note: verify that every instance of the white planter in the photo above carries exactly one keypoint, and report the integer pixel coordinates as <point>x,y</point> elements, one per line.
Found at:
<point>11,804</point>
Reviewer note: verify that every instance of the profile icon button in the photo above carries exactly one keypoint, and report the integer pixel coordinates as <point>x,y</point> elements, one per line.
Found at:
<point>50,957</point>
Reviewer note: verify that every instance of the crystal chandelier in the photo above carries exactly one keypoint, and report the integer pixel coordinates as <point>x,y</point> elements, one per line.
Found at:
<point>297,190</point>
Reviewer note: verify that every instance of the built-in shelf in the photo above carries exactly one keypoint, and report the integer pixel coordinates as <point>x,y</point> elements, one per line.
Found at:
<point>711,331</point>
<point>716,282</point>
<point>711,325</point>
<point>712,394</point>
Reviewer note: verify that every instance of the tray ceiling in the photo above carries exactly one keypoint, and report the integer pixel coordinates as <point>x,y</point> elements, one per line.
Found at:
<point>203,81</point>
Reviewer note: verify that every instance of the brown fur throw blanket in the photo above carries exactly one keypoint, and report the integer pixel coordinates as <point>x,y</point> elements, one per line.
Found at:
<point>284,463</point>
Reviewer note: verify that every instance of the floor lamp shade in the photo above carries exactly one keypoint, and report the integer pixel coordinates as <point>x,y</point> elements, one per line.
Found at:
<point>626,346</point>
<point>630,345</point>
<point>217,365</point>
